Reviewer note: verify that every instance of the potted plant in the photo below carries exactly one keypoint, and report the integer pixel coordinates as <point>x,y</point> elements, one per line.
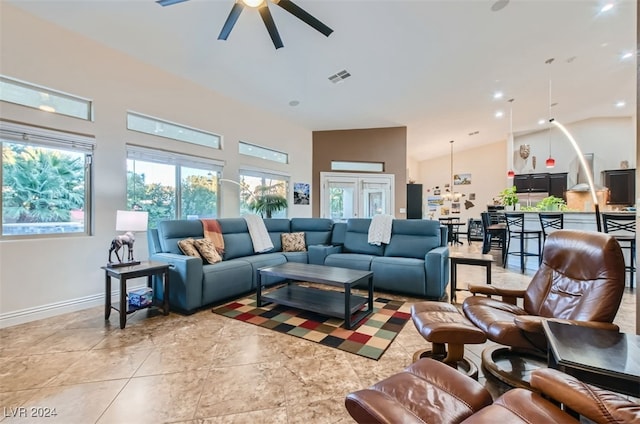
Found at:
<point>509,198</point>
<point>267,199</point>
<point>551,203</point>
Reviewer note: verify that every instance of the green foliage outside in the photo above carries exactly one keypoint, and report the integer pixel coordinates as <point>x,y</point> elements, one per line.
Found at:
<point>268,199</point>
<point>199,197</point>
<point>40,185</point>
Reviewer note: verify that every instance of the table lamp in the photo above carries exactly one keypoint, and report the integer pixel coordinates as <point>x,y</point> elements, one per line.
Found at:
<point>129,222</point>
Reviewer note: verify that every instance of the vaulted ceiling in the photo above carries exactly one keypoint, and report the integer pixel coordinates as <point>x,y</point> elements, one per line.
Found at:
<point>432,66</point>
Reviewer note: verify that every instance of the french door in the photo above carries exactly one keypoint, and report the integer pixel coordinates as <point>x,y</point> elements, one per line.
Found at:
<point>345,195</point>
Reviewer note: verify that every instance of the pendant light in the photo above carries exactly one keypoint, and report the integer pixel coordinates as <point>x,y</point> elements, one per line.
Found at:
<point>510,172</point>
<point>550,162</point>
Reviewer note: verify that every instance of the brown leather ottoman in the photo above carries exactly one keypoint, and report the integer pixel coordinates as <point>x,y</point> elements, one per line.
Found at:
<point>440,323</point>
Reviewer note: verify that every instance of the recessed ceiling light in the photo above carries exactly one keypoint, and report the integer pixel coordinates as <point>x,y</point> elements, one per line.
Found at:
<point>498,95</point>
<point>607,7</point>
<point>294,103</point>
<point>499,114</point>
<point>621,104</point>
<point>541,121</point>
<point>626,55</point>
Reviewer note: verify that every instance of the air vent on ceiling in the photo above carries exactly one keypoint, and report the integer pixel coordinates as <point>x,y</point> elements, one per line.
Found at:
<point>340,76</point>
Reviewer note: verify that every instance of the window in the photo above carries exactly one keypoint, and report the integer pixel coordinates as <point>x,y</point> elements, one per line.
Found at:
<point>264,191</point>
<point>155,126</point>
<point>46,180</point>
<point>48,100</point>
<point>171,185</point>
<point>337,165</point>
<point>262,152</point>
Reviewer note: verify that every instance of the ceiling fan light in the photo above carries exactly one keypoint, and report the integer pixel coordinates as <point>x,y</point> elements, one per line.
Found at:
<point>252,3</point>
<point>550,163</point>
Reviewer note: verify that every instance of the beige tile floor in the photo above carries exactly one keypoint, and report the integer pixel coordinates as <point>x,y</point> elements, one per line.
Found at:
<point>201,368</point>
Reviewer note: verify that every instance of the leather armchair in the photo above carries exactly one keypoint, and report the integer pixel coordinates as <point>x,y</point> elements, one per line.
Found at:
<point>429,391</point>
<point>580,281</point>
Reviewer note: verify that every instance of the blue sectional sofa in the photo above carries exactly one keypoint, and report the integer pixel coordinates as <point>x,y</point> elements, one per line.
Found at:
<point>415,262</point>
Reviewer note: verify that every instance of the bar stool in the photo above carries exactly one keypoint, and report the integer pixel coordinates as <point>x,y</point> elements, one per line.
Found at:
<point>516,230</point>
<point>623,228</point>
<point>550,222</point>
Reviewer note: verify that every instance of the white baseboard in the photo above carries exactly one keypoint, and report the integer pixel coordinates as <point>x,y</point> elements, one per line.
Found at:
<point>22,316</point>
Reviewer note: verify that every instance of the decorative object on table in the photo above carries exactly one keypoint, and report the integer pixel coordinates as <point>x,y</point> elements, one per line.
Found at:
<point>300,193</point>
<point>130,222</point>
<point>141,297</point>
<point>509,198</point>
<point>370,339</point>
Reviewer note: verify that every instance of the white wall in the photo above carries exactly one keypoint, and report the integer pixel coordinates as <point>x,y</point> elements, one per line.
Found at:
<point>486,164</point>
<point>49,276</point>
<point>611,140</point>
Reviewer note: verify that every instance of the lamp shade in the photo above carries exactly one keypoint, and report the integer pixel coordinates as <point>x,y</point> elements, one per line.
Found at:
<point>510,173</point>
<point>551,162</point>
<point>131,221</point>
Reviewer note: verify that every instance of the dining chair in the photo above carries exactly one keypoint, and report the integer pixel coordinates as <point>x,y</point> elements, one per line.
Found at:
<point>516,230</point>
<point>550,222</point>
<point>623,228</point>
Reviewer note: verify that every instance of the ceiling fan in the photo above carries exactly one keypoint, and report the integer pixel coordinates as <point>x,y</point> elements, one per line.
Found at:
<point>265,14</point>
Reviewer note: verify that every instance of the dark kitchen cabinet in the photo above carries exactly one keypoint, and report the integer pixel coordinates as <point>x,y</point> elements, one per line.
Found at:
<point>622,186</point>
<point>414,201</point>
<point>531,183</point>
<point>558,185</point>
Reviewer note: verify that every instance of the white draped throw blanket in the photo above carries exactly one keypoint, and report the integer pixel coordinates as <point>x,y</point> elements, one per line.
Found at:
<point>259,234</point>
<point>380,229</point>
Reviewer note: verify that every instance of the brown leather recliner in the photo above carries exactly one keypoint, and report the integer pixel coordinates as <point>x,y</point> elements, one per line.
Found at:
<point>429,391</point>
<point>580,281</point>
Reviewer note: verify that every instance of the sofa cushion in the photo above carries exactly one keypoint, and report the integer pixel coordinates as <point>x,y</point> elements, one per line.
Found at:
<point>349,260</point>
<point>356,238</point>
<point>188,247</point>
<point>413,238</point>
<point>406,275</point>
<point>237,242</point>
<point>316,230</point>
<point>293,242</point>
<point>276,227</point>
<point>261,261</point>
<point>207,250</point>
<point>172,231</point>
<point>226,279</point>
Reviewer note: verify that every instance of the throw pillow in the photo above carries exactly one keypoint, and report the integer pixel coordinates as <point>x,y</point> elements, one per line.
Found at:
<point>188,248</point>
<point>293,242</point>
<point>208,251</point>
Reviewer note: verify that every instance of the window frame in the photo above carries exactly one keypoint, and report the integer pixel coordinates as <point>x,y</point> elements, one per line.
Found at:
<point>265,174</point>
<point>28,135</point>
<point>180,127</point>
<point>261,151</point>
<point>178,160</point>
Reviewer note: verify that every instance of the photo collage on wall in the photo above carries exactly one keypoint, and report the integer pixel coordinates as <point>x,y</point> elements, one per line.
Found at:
<point>441,202</point>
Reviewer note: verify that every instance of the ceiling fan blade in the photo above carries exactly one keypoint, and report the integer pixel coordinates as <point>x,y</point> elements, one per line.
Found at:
<point>304,16</point>
<point>169,2</point>
<point>231,20</point>
<point>271,26</point>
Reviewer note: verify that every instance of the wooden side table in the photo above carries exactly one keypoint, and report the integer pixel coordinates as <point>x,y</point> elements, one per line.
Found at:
<point>457,258</point>
<point>145,269</point>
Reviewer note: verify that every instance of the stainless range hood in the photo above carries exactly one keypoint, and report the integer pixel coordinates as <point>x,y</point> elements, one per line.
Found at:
<point>583,181</point>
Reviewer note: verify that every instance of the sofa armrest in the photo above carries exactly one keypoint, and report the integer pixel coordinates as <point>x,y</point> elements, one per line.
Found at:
<point>598,405</point>
<point>185,276</point>
<point>436,268</point>
<point>508,295</point>
<point>318,252</point>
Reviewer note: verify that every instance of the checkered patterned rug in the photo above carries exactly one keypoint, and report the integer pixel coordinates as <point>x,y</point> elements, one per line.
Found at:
<point>370,338</point>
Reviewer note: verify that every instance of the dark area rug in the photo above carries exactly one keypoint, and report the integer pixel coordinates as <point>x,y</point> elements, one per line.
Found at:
<point>370,338</point>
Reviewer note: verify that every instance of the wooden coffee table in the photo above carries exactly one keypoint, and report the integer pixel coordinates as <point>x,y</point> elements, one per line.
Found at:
<point>604,358</point>
<point>326,302</point>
